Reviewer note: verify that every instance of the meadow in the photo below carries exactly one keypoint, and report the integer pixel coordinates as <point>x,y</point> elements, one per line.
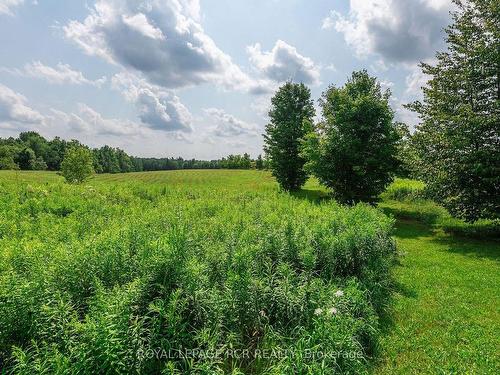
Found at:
<point>190,271</point>
<point>219,272</point>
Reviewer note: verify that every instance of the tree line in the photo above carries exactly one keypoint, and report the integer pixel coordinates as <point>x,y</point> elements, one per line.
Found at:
<point>31,151</point>
<point>356,148</point>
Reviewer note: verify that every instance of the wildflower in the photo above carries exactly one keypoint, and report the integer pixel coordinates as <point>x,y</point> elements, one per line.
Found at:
<point>339,293</point>
<point>318,311</point>
<point>332,311</point>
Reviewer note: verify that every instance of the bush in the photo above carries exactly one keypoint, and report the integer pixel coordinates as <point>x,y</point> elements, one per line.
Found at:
<point>107,274</point>
<point>353,149</point>
<point>77,164</point>
<point>405,189</point>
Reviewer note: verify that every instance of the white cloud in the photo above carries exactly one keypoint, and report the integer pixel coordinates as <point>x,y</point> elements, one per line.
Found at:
<point>6,6</point>
<point>140,23</point>
<point>89,121</point>
<point>162,39</point>
<point>399,31</point>
<point>61,74</point>
<point>283,63</point>
<point>227,125</point>
<point>14,109</point>
<point>158,109</point>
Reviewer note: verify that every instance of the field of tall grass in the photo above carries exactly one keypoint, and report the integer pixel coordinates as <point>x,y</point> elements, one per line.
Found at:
<point>191,271</point>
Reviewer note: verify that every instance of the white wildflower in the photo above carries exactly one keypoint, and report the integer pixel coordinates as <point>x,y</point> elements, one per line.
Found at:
<point>339,293</point>
<point>332,311</point>
<point>318,311</point>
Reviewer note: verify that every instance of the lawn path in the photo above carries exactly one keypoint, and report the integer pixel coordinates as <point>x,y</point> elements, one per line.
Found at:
<point>445,313</point>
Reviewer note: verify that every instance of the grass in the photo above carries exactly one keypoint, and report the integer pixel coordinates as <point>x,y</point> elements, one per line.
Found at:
<point>443,315</point>
<point>406,199</point>
<point>131,273</point>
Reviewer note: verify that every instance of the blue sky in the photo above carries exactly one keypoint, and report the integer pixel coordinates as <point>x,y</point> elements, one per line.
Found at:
<point>194,78</point>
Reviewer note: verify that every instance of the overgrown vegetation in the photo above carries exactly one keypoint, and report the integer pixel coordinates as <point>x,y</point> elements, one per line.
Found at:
<point>97,278</point>
<point>408,199</point>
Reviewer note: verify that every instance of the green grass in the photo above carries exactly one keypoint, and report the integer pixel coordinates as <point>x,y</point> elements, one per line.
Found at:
<point>100,277</point>
<point>444,317</point>
<point>406,199</point>
<point>445,313</point>
<point>75,252</point>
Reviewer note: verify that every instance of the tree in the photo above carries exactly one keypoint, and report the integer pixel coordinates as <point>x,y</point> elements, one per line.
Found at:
<point>406,154</point>
<point>458,140</point>
<point>107,160</point>
<point>77,164</point>
<point>259,163</point>
<point>291,106</point>
<point>7,153</point>
<point>352,150</point>
<point>38,164</point>
<point>25,158</point>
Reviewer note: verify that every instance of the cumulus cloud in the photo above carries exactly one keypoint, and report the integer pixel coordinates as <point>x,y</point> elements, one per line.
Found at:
<point>227,125</point>
<point>158,109</point>
<point>14,109</point>
<point>61,74</point>
<point>89,121</point>
<point>6,6</point>
<point>162,39</point>
<point>284,62</point>
<point>399,31</point>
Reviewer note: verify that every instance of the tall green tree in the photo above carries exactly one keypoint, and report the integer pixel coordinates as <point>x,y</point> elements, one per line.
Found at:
<point>77,164</point>
<point>353,149</point>
<point>259,163</point>
<point>458,140</point>
<point>25,158</point>
<point>291,109</point>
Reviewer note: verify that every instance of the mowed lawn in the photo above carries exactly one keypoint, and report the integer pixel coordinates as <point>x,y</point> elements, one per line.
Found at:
<point>445,313</point>
<point>444,316</point>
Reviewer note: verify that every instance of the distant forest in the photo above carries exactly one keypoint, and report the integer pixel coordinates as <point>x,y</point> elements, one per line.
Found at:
<point>31,151</point>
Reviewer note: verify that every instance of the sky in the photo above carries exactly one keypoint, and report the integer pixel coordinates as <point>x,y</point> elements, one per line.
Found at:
<point>194,78</point>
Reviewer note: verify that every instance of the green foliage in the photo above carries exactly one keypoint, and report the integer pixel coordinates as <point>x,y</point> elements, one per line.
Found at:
<point>353,149</point>
<point>458,141</point>
<point>236,162</point>
<point>291,107</point>
<point>259,162</point>
<point>7,153</point>
<point>25,158</point>
<point>77,164</point>
<point>96,278</point>
<point>407,199</point>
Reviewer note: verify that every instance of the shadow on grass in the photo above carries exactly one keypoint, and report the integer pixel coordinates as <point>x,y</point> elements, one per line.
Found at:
<point>411,216</point>
<point>408,229</point>
<point>470,247</point>
<point>312,195</point>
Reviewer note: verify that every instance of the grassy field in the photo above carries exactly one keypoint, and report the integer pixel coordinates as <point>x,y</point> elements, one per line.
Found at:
<point>191,271</point>
<point>72,266</point>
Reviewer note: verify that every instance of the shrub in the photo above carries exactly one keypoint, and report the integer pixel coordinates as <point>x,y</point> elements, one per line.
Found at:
<point>353,150</point>
<point>77,164</point>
